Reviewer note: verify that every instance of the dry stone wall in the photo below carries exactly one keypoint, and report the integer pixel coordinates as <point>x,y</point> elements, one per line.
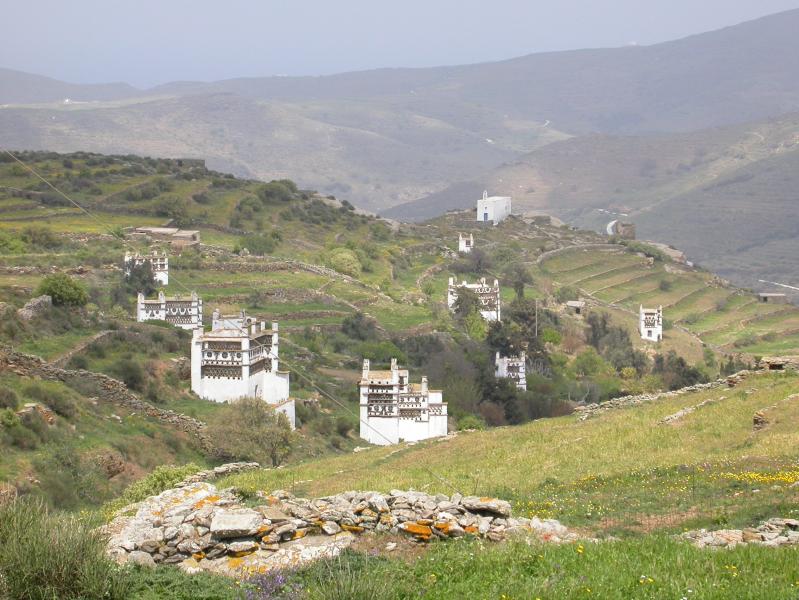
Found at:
<point>200,527</point>
<point>108,389</point>
<point>772,533</point>
<point>593,409</point>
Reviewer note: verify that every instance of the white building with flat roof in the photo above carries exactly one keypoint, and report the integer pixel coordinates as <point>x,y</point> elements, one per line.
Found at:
<point>159,262</point>
<point>465,244</point>
<point>650,323</point>
<point>240,359</point>
<point>513,368</point>
<point>393,410</point>
<point>493,209</point>
<point>186,313</point>
<point>488,295</point>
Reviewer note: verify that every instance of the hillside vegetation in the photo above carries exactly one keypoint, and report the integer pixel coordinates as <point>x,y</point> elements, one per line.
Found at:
<point>344,286</point>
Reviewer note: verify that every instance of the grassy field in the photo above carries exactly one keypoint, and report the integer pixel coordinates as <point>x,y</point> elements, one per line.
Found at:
<point>619,471</point>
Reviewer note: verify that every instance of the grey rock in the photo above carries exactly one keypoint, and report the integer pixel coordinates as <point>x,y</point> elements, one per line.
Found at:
<point>142,559</point>
<point>236,522</point>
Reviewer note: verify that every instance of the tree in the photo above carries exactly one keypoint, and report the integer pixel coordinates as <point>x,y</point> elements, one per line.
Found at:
<point>477,261</point>
<point>140,279</point>
<point>518,276</point>
<point>280,191</point>
<point>675,372</point>
<point>466,303</point>
<point>64,290</point>
<point>250,429</point>
<point>359,327</point>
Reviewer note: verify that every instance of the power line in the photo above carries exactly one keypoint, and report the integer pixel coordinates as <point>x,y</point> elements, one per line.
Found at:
<point>269,352</point>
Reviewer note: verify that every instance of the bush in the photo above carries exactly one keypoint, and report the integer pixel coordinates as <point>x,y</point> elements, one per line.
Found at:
<point>64,290</point>
<point>471,422</point>
<point>60,401</point>
<point>46,555</point>
<point>257,244</point>
<point>344,261</point>
<point>566,293</point>
<point>359,327</point>
<point>40,237</point>
<point>131,373</point>
<point>8,399</point>
<point>161,479</point>
<point>250,429</point>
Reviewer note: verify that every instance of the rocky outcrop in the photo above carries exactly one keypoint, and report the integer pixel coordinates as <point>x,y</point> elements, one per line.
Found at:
<point>107,388</point>
<point>593,409</point>
<point>34,308</point>
<point>201,528</point>
<point>774,532</point>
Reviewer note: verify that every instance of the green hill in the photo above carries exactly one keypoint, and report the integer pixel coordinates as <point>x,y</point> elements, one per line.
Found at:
<point>345,285</point>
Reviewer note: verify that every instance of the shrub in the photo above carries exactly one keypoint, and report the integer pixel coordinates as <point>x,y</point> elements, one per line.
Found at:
<point>8,399</point>
<point>344,261</point>
<point>45,555</point>
<point>162,478</point>
<point>55,398</point>
<point>551,335</point>
<point>664,285</point>
<point>40,237</point>
<point>63,290</point>
<point>258,244</point>
<point>131,373</point>
<point>359,327</point>
<point>566,293</point>
<point>471,422</point>
<point>250,429</point>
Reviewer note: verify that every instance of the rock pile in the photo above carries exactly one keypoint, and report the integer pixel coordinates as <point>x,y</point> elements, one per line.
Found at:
<point>201,528</point>
<point>774,532</point>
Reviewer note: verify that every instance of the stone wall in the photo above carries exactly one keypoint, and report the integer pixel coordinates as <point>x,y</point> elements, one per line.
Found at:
<point>593,409</point>
<point>109,390</point>
<point>199,527</point>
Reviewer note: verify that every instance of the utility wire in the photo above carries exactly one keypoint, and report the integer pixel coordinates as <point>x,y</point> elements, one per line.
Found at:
<point>240,328</point>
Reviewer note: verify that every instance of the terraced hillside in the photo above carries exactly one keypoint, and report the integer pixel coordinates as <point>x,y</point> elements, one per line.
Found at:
<point>343,286</point>
<point>693,301</point>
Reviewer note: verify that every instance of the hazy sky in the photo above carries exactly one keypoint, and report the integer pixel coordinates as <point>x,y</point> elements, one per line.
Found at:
<point>146,42</point>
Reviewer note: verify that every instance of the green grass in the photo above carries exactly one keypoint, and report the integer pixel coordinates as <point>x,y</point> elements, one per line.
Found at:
<point>518,461</point>
<point>654,567</point>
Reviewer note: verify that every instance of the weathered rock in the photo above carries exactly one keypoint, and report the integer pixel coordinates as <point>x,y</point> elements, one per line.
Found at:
<point>236,522</point>
<point>331,527</point>
<point>143,559</point>
<point>35,307</point>
<point>242,548</point>
<point>489,505</point>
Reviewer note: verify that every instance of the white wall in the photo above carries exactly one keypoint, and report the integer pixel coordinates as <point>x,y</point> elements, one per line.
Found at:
<point>493,209</point>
